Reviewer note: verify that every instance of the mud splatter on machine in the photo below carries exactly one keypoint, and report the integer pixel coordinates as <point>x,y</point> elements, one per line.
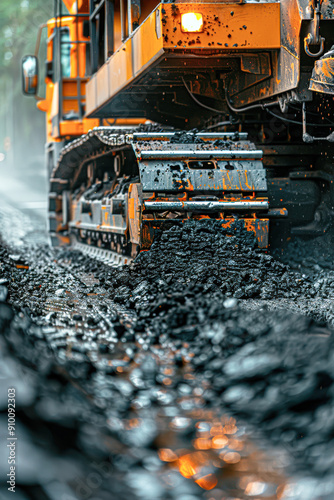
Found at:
<point>127,81</point>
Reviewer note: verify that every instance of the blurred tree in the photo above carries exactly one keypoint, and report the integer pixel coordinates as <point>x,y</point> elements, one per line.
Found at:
<point>21,123</point>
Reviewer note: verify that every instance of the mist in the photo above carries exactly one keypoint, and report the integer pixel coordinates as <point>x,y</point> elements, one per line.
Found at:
<point>23,178</point>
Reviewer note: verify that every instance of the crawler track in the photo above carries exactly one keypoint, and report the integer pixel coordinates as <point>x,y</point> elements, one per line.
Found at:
<point>152,179</point>
<point>153,359</point>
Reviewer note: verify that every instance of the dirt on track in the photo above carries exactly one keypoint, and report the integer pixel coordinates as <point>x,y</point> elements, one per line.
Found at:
<point>188,328</point>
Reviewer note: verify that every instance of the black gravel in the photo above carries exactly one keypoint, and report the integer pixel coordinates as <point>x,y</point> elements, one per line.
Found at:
<point>131,361</point>
<point>309,255</point>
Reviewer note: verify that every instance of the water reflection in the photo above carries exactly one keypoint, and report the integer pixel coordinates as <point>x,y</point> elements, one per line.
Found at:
<point>223,460</point>
<point>156,412</point>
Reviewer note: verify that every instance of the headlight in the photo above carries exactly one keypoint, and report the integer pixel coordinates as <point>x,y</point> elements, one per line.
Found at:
<point>192,22</point>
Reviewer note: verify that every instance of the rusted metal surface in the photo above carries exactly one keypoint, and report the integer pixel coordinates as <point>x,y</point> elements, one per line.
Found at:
<point>149,63</point>
<point>159,38</point>
<point>169,167</point>
<point>209,175</point>
<point>322,79</point>
<point>134,212</point>
<point>200,154</point>
<point>176,177</point>
<point>204,206</point>
<point>226,26</point>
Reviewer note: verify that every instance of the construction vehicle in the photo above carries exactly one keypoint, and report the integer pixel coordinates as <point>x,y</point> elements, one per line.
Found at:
<point>128,81</point>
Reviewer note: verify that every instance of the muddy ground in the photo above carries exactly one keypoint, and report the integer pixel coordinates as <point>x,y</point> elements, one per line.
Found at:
<point>202,371</point>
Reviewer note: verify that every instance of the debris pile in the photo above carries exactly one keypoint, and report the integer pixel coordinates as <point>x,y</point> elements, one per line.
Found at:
<point>167,338</point>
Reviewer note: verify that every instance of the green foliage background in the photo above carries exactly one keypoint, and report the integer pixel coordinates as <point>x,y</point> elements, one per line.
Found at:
<point>19,117</point>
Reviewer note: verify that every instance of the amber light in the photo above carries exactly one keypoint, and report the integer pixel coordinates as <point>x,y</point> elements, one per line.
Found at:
<point>192,22</point>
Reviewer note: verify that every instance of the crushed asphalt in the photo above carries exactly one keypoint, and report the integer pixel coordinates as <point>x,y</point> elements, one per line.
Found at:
<point>204,370</point>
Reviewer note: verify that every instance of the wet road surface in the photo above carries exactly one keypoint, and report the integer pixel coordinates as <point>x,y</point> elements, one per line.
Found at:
<point>157,382</point>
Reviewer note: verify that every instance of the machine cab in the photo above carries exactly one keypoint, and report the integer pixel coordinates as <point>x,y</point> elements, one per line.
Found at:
<point>66,73</point>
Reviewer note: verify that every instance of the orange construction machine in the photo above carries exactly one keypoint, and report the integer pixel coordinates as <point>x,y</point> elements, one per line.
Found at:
<point>161,111</point>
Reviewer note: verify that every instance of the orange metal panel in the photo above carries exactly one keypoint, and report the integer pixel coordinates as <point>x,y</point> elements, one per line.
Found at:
<point>134,55</point>
<point>69,88</point>
<point>102,85</point>
<point>77,127</point>
<point>76,34</point>
<point>226,26</point>
<point>54,101</point>
<point>147,42</point>
<point>70,5</point>
<point>82,6</point>
<point>120,68</point>
<point>91,95</point>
